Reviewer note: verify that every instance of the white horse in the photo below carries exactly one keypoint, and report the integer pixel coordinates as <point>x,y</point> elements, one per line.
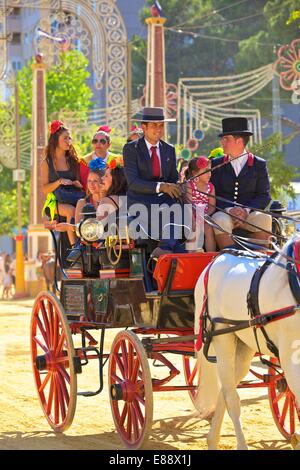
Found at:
<point>228,285</point>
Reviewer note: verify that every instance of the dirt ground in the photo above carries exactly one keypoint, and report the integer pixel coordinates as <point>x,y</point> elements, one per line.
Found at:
<point>175,426</point>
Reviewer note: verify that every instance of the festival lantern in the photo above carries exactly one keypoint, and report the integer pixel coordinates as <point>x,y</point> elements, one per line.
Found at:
<point>185,153</point>
<point>198,134</point>
<point>288,65</point>
<point>192,144</point>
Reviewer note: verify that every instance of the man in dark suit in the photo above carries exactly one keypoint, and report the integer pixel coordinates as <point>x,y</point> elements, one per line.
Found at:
<point>244,180</point>
<point>150,168</point>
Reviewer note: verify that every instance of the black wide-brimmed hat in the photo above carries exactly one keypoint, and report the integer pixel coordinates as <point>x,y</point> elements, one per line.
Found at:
<point>235,125</point>
<point>153,115</point>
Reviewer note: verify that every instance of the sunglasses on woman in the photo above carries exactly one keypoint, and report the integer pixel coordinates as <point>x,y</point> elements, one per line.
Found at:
<point>101,141</point>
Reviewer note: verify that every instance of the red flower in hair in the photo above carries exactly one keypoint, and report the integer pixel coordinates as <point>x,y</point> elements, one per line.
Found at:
<point>113,164</point>
<point>106,129</point>
<point>55,126</point>
<point>202,162</point>
<point>116,162</point>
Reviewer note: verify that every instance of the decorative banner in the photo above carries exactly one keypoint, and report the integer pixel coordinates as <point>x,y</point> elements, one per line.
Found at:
<point>185,153</point>
<point>199,134</point>
<point>205,124</point>
<point>192,144</point>
<point>288,65</point>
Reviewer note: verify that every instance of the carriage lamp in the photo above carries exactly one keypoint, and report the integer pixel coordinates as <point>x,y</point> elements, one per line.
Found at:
<point>90,230</point>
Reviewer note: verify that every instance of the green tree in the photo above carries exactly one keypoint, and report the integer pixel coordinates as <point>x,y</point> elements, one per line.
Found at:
<point>220,38</point>
<point>281,174</point>
<point>8,213</point>
<point>66,87</point>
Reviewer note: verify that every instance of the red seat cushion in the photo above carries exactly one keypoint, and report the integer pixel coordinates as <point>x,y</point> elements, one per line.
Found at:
<point>188,269</point>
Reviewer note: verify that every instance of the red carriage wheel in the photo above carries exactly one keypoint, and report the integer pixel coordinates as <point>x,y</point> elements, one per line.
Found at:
<point>53,355</point>
<point>191,375</point>
<point>283,405</point>
<point>131,396</point>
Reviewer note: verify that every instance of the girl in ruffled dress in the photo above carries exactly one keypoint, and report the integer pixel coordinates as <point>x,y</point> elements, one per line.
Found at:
<point>197,183</point>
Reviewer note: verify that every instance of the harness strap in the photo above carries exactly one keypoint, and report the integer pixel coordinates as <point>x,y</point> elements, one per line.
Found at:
<point>204,310</point>
<point>293,272</point>
<point>252,296</point>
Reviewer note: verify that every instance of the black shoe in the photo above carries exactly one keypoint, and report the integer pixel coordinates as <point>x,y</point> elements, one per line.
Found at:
<point>74,255</point>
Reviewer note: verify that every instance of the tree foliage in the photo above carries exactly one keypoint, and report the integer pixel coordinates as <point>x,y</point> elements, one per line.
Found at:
<point>220,38</point>
<point>9,213</point>
<point>66,87</point>
<point>281,174</point>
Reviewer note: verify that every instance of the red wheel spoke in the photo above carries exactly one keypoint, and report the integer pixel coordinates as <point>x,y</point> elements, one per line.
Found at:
<point>60,344</point>
<point>46,322</point>
<point>55,328</point>
<point>284,411</point>
<point>120,364</point>
<point>45,381</point>
<point>61,400</point>
<point>129,422</point>
<point>41,345</point>
<point>278,398</point>
<point>115,378</point>
<point>292,414</point>
<point>56,403</point>
<point>141,400</point>
<point>125,358</point>
<point>50,396</point>
<point>124,414</point>
<point>135,370</point>
<point>130,359</point>
<point>135,424</point>
<point>138,412</point>
<point>63,386</point>
<point>41,328</point>
<point>64,373</point>
<point>51,319</point>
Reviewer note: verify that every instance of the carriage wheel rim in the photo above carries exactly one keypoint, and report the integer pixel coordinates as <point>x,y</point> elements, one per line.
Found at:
<point>129,369</point>
<point>283,405</point>
<point>57,383</point>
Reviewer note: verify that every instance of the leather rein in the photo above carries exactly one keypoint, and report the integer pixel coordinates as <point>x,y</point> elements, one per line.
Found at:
<point>257,319</point>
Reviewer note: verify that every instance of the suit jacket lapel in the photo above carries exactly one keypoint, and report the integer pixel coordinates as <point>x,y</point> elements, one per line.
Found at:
<point>163,159</point>
<point>144,153</point>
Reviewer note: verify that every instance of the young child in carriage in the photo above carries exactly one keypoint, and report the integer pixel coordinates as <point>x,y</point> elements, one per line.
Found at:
<point>199,193</point>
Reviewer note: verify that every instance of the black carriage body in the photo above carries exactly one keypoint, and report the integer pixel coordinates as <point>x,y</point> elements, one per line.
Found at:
<point>121,303</point>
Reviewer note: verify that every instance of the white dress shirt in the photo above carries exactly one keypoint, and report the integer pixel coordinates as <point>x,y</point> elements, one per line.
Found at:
<point>239,162</point>
<point>158,154</point>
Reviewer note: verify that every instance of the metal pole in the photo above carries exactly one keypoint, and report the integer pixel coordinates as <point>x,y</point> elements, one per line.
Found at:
<point>20,279</point>
<point>129,86</point>
<point>18,158</point>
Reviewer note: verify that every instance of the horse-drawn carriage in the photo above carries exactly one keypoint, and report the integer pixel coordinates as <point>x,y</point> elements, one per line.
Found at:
<point>157,315</point>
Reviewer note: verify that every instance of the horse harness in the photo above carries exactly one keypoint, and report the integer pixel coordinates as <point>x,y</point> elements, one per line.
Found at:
<point>257,319</point>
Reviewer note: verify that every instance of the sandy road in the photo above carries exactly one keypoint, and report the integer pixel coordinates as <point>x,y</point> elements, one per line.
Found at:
<point>175,426</point>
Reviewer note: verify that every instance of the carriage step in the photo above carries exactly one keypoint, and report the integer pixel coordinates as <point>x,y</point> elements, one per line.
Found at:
<point>87,394</point>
